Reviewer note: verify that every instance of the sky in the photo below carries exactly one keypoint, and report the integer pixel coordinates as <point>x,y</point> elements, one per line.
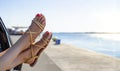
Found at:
<point>64,15</point>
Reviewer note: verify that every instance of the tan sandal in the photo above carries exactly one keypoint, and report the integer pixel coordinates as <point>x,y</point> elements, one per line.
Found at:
<point>46,41</point>
<point>31,40</point>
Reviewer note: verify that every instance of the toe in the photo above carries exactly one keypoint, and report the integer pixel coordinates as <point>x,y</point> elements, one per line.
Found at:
<point>45,39</point>
<point>37,17</point>
<point>43,20</point>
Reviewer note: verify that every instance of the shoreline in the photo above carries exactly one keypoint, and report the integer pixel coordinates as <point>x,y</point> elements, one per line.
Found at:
<point>89,50</point>
<point>70,58</point>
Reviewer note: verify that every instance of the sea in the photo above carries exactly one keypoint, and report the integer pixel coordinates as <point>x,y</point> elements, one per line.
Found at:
<point>103,43</point>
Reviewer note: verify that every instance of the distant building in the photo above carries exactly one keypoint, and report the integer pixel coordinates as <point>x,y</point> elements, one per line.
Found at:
<point>15,32</point>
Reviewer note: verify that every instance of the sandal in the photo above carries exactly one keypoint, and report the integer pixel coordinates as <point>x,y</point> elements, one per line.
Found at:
<point>31,40</point>
<point>46,41</point>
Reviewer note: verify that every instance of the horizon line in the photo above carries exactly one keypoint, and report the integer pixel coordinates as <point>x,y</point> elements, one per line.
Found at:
<point>91,32</point>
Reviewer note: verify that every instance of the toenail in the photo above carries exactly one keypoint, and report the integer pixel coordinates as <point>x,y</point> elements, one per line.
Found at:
<point>47,33</point>
<point>38,15</point>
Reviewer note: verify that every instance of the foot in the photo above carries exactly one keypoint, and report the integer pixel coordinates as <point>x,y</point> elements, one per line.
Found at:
<point>39,21</point>
<point>41,45</point>
<point>25,56</point>
<point>26,40</point>
<point>37,26</point>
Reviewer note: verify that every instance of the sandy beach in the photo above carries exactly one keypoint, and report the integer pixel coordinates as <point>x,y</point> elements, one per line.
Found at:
<point>70,58</point>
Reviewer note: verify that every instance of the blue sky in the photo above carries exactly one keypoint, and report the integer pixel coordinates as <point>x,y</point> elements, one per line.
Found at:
<point>64,15</point>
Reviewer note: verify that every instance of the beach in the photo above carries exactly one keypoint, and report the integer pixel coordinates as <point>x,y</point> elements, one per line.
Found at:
<point>65,57</point>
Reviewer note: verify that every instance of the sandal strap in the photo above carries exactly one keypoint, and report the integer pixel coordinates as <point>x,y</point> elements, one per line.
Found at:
<point>31,39</point>
<point>38,46</point>
<point>34,57</point>
<point>45,41</point>
<point>38,24</point>
<point>31,43</point>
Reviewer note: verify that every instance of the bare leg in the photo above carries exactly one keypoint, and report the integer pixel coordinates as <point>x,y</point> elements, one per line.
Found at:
<point>23,43</point>
<point>2,53</point>
<point>25,55</point>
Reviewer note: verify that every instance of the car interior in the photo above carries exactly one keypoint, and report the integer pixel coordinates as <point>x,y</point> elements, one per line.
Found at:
<point>3,41</point>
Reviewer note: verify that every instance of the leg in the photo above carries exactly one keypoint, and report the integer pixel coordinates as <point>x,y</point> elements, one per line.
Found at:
<point>2,53</point>
<point>26,54</point>
<point>37,26</point>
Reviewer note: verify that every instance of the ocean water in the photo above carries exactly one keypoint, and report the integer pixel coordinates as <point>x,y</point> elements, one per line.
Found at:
<point>107,44</point>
